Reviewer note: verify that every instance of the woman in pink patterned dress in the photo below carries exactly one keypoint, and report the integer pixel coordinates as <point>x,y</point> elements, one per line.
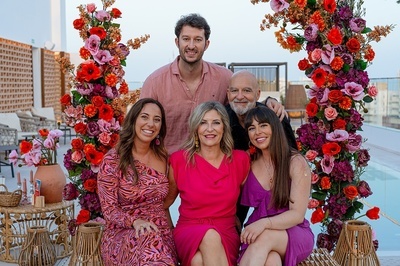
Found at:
<point>208,174</point>
<point>132,185</point>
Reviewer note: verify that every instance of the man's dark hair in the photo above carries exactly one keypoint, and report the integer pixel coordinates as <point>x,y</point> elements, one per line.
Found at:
<point>195,21</point>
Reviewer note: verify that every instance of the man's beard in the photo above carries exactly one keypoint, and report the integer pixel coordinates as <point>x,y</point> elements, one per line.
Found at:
<point>242,110</point>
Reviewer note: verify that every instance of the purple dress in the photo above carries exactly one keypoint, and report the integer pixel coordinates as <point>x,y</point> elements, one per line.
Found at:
<point>301,238</point>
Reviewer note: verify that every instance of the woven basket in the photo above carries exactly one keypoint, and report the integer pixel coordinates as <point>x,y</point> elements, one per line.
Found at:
<point>10,199</point>
<point>319,257</point>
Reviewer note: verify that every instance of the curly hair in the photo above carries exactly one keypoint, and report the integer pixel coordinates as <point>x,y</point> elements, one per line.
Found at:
<point>195,21</point>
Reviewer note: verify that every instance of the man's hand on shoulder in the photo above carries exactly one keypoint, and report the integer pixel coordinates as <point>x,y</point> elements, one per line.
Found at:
<point>277,107</point>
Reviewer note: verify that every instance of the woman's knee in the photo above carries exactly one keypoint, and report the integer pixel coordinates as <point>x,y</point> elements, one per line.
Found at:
<point>273,259</point>
<point>211,238</point>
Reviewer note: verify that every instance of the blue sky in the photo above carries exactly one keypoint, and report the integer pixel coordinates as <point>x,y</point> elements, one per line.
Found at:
<point>235,35</point>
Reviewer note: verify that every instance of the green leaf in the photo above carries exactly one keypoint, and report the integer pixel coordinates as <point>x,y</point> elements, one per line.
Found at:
<point>360,64</point>
<point>368,99</point>
<point>346,68</point>
<point>123,62</point>
<point>319,195</point>
<point>366,30</point>
<point>115,25</point>
<point>358,205</point>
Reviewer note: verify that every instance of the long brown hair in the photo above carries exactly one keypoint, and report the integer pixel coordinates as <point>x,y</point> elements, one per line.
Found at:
<point>128,133</point>
<point>280,151</point>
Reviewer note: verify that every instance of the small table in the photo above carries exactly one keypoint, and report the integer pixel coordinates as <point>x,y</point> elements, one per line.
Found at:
<point>14,222</point>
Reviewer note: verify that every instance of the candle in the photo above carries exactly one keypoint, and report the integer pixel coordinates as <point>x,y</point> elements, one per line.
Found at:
<point>18,178</point>
<point>31,177</point>
<point>24,188</point>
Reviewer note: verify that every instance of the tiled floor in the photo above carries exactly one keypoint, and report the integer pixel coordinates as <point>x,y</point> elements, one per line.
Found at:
<point>389,258</point>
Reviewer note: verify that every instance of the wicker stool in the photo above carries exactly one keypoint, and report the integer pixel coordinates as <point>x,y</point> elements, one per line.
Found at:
<point>37,249</point>
<point>86,245</point>
<point>355,246</point>
<point>319,257</point>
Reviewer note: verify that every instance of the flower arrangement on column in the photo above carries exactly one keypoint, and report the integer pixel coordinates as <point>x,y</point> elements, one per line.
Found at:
<point>96,106</point>
<point>337,42</point>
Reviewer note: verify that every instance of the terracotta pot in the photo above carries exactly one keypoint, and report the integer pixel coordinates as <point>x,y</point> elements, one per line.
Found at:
<point>53,182</point>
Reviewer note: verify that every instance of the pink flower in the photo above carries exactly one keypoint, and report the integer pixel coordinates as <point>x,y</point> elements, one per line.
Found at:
<point>327,164</point>
<point>330,113</point>
<point>49,143</point>
<point>328,54</point>
<point>337,135</point>
<point>354,142</point>
<point>78,156</point>
<point>372,91</point>
<point>314,178</point>
<point>312,204</point>
<point>103,15</point>
<point>13,157</point>
<point>311,32</point>
<point>102,57</point>
<point>91,7</point>
<point>311,154</point>
<point>104,138</point>
<point>353,90</point>
<point>316,55</point>
<point>279,5</point>
<point>92,44</point>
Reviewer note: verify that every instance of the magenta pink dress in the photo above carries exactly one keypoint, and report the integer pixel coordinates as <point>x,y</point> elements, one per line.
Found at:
<point>208,201</point>
<point>122,202</point>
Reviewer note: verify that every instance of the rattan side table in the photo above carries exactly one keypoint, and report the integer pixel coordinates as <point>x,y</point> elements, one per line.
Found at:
<point>15,221</point>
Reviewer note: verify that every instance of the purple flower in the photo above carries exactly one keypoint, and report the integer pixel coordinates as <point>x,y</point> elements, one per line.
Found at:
<point>325,241</point>
<point>72,225</point>
<point>98,89</point>
<point>93,129</point>
<point>310,136</point>
<point>70,192</point>
<point>87,174</point>
<point>121,50</point>
<point>90,202</point>
<point>376,244</point>
<point>355,120</point>
<point>103,15</point>
<point>345,13</point>
<point>92,44</point>
<point>68,163</point>
<point>354,142</point>
<point>279,5</point>
<point>347,59</point>
<point>311,32</point>
<point>363,189</point>
<point>343,171</point>
<point>362,157</point>
<point>102,57</point>
<point>337,206</point>
<point>354,90</point>
<point>84,89</point>
<point>334,228</point>
<point>357,24</point>
<point>337,135</point>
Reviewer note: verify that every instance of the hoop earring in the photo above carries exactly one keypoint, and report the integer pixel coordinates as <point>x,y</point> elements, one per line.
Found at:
<point>157,141</point>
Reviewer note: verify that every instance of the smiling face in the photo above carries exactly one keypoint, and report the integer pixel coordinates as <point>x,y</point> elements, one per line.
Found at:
<point>191,44</point>
<point>211,129</point>
<point>148,123</point>
<point>260,134</point>
<point>243,92</point>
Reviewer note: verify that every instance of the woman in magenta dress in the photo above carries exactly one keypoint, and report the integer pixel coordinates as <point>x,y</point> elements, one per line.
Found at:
<point>132,186</point>
<point>208,174</point>
<point>278,187</point>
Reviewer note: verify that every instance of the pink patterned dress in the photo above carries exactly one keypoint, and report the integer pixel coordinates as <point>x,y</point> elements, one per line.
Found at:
<point>122,202</point>
<point>208,201</point>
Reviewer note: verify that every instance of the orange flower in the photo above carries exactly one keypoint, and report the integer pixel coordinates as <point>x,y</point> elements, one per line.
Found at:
<point>301,3</point>
<point>331,148</point>
<point>317,216</point>
<point>123,88</point>
<point>325,183</point>
<point>369,54</point>
<point>84,53</point>
<point>90,110</point>
<point>88,71</point>
<point>292,43</point>
<point>111,80</point>
<point>373,213</point>
<point>339,124</point>
<point>99,31</point>
<point>337,63</point>
<point>65,100</point>
<point>319,77</point>
<point>350,192</point>
<point>345,103</point>
<point>93,156</point>
<point>44,132</point>
<point>335,36</point>
<point>317,19</point>
<point>90,185</point>
<point>25,146</point>
<point>106,112</point>
<point>353,45</point>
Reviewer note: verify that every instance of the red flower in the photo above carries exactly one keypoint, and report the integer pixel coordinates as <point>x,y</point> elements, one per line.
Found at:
<point>325,183</point>
<point>311,109</point>
<point>93,156</point>
<point>83,217</point>
<point>345,103</point>
<point>80,128</point>
<point>90,110</point>
<point>78,23</point>
<point>115,13</point>
<point>330,6</point>
<point>350,192</point>
<point>353,45</point>
<point>335,36</point>
<point>123,88</point>
<point>319,77</point>
<point>97,101</point>
<point>113,140</point>
<point>88,72</point>
<point>335,96</point>
<point>339,124</point>
<point>337,63</point>
<point>44,132</point>
<point>25,146</point>
<point>77,144</point>
<point>373,213</point>
<point>303,64</point>
<point>111,80</point>
<point>99,31</point>
<point>317,216</point>
<point>106,112</point>
<point>369,54</point>
<point>65,100</point>
<point>301,3</point>
<point>90,185</point>
<point>331,148</point>
<point>84,53</point>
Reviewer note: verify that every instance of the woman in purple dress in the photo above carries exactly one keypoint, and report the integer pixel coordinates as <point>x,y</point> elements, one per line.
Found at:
<point>132,185</point>
<point>278,188</point>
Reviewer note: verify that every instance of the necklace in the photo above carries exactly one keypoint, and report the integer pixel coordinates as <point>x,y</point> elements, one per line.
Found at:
<point>269,174</point>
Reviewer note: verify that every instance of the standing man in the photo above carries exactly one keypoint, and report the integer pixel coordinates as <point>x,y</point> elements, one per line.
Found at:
<point>243,93</point>
<point>189,80</point>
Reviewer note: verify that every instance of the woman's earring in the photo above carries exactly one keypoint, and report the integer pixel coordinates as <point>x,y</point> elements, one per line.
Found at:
<point>252,149</point>
<point>196,142</point>
<point>158,140</point>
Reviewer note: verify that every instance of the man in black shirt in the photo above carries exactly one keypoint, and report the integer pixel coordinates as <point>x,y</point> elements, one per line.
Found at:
<point>243,93</point>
